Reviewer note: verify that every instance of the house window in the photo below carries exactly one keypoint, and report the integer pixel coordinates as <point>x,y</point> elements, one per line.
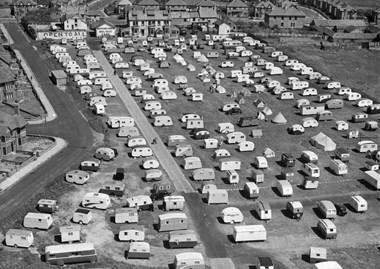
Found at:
<point>282,18</point>
<point>282,24</point>
<point>292,24</point>
<point>4,151</point>
<point>70,233</point>
<point>295,18</point>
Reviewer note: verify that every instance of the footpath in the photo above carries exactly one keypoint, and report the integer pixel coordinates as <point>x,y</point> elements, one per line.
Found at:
<point>51,115</point>
<point>59,145</point>
<point>163,155</point>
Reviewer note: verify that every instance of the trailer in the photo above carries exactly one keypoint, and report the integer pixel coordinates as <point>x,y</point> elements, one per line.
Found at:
<point>38,221</point>
<point>172,222</point>
<point>203,174</point>
<point>217,196</point>
<point>19,238</point>
<point>249,233</point>
<point>131,232</point>
<point>182,239</point>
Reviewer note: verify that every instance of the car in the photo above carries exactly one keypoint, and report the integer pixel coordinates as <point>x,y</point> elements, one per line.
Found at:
<point>341,210</point>
<point>119,174</point>
<point>234,111</point>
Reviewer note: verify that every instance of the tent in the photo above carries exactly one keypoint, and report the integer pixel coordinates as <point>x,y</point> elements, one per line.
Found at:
<point>240,100</point>
<point>257,133</point>
<point>267,111</point>
<point>268,153</point>
<point>260,116</point>
<point>164,64</point>
<point>202,59</point>
<point>220,89</point>
<point>258,103</point>
<point>245,92</point>
<point>191,68</point>
<point>196,54</point>
<point>279,119</point>
<point>324,142</point>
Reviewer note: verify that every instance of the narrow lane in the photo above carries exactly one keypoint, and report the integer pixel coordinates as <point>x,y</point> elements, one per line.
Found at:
<point>168,163</point>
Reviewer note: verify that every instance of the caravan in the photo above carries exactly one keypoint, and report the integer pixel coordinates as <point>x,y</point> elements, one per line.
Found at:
<point>204,174</point>
<point>126,215</point>
<point>263,210</point>
<point>131,232</point>
<point>141,202</point>
<point>141,151</point>
<point>38,221</point>
<point>182,239</point>
<point>162,121</point>
<point>249,233</point>
<point>96,200</point>
<point>172,222</point>
<point>229,164</point>
<point>19,238</point>
<point>189,260</point>
<point>232,215</point>
<point>120,121</point>
<point>236,137</point>
<point>358,203</point>
<point>217,196</point>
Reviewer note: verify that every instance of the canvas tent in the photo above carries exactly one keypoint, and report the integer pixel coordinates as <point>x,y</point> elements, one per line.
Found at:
<point>191,68</point>
<point>164,64</point>
<point>258,103</point>
<point>268,153</point>
<point>202,59</point>
<point>324,142</point>
<point>220,89</point>
<point>267,111</point>
<point>260,116</point>
<point>279,119</point>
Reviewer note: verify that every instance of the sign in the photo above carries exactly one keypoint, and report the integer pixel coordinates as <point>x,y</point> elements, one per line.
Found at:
<point>78,34</point>
<point>105,32</point>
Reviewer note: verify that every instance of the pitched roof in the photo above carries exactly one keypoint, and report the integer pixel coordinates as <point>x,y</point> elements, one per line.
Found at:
<point>355,36</point>
<point>206,3</point>
<point>291,11</point>
<point>141,15</point>
<point>175,3</point>
<point>372,29</point>
<point>237,3</point>
<point>24,3</point>
<point>95,13</point>
<point>279,119</point>
<point>125,3</point>
<point>11,122</point>
<point>6,75</point>
<point>148,3</point>
<point>264,4</point>
<point>339,23</point>
<point>101,22</point>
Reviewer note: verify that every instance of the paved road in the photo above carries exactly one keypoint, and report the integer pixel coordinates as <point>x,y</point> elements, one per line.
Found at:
<point>168,163</point>
<point>69,125</point>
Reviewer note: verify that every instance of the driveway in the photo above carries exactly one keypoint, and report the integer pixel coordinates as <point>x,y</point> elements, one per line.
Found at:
<point>163,155</point>
<point>69,125</point>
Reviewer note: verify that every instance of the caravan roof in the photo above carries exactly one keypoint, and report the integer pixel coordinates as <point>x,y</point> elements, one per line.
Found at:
<point>171,216</point>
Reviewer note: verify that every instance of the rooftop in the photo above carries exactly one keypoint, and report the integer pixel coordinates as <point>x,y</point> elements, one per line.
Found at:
<point>288,12</point>
<point>148,3</point>
<point>6,75</point>
<point>237,3</point>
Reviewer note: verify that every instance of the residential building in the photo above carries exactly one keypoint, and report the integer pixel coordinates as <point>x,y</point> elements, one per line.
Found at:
<point>237,8</point>
<point>122,5</point>
<point>94,15</point>
<point>263,7</point>
<point>12,132</point>
<point>74,23</point>
<point>175,5</point>
<point>336,9</point>
<point>376,16</point>
<point>148,4</point>
<point>7,83</point>
<point>290,17</point>
<point>21,7</point>
<point>104,28</point>
<point>222,28</point>
<point>148,22</point>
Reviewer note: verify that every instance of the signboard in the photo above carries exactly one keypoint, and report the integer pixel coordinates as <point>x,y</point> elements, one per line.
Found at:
<point>105,32</point>
<point>78,34</point>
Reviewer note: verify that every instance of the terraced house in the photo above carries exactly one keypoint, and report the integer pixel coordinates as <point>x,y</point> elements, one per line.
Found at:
<point>336,9</point>
<point>12,133</point>
<point>7,84</point>
<point>237,8</point>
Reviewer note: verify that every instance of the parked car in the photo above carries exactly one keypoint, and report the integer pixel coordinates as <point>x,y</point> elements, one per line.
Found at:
<point>341,210</point>
<point>234,111</point>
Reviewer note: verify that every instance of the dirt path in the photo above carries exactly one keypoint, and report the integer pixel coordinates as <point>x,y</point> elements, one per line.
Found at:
<point>168,163</point>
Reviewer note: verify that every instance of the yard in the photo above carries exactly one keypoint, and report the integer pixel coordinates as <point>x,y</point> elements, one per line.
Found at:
<point>364,3</point>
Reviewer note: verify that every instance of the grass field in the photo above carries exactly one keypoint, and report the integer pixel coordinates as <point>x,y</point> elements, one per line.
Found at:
<point>357,69</point>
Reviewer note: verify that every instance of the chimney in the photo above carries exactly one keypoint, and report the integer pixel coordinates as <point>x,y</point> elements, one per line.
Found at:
<point>16,108</point>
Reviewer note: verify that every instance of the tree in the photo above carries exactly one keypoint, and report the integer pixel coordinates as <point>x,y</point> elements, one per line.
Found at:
<point>39,16</point>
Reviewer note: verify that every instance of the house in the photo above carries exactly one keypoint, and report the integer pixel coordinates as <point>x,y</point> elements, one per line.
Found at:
<point>21,7</point>
<point>222,28</point>
<point>104,28</point>
<point>151,4</point>
<point>175,5</point>
<point>148,22</point>
<point>333,8</point>
<point>74,23</point>
<point>7,84</point>
<point>122,5</point>
<point>237,8</point>
<point>263,7</point>
<point>376,16</point>
<point>12,132</point>
<point>290,17</point>
<point>94,15</point>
